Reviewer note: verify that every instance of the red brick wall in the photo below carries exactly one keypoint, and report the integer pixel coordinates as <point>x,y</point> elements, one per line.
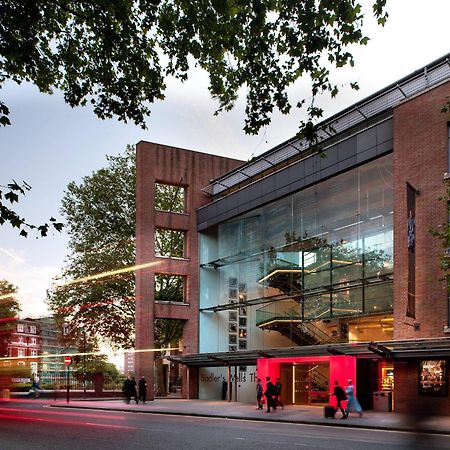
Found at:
<point>420,158</point>
<point>406,395</point>
<point>169,165</point>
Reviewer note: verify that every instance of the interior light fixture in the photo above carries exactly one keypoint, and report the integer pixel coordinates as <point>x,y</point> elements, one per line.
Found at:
<point>270,275</point>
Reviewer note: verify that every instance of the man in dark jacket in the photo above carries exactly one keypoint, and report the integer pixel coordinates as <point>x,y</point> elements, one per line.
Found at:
<point>127,389</point>
<point>278,387</point>
<point>142,389</point>
<point>134,390</point>
<point>270,394</point>
<point>340,395</point>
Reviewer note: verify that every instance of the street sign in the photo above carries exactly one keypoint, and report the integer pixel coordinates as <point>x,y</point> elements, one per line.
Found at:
<point>67,360</point>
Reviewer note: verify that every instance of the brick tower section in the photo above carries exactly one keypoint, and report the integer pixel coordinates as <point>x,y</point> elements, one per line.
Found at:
<point>420,159</point>
<point>193,171</point>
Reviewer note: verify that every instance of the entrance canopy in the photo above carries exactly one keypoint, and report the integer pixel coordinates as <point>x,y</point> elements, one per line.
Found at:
<point>392,350</point>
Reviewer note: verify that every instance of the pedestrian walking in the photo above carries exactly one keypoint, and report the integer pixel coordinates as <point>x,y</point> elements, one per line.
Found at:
<point>127,390</point>
<point>278,387</point>
<point>352,402</point>
<point>259,393</point>
<point>36,387</point>
<point>270,395</point>
<point>341,396</point>
<point>134,390</point>
<point>142,384</point>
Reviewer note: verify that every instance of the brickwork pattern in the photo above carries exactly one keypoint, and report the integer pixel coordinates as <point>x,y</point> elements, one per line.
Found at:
<point>193,170</point>
<point>420,158</point>
<point>406,395</point>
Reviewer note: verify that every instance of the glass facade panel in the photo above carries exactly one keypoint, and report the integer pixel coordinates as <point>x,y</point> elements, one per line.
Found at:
<point>378,297</point>
<point>229,238</point>
<point>323,252</point>
<point>348,303</point>
<point>277,218</point>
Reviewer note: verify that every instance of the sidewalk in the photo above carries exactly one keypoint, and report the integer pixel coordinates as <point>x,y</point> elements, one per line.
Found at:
<point>246,411</point>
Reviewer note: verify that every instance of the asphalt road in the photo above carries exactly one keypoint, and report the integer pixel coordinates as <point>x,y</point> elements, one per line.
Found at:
<point>35,426</point>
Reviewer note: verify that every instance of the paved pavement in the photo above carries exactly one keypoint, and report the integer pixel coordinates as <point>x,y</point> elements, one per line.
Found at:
<point>290,414</point>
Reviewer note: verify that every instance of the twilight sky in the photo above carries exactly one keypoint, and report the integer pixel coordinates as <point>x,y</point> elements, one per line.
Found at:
<point>49,144</point>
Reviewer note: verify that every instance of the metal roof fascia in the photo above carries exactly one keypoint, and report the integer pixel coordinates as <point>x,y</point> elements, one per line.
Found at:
<point>423,72</point>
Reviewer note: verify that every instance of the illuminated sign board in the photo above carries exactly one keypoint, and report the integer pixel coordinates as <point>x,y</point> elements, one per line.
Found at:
<point>433,377</point>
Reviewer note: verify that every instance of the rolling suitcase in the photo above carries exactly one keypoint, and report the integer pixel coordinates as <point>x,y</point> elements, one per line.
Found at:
<point>329,411</point>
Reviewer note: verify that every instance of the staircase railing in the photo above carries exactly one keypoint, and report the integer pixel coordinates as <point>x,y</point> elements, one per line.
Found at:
<point>318,334</point>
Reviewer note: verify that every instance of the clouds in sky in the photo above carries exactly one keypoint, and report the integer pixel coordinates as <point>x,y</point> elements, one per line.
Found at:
<point>32,281</point>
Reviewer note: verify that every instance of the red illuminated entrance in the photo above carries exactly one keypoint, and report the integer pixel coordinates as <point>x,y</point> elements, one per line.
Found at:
<point>308,380</point>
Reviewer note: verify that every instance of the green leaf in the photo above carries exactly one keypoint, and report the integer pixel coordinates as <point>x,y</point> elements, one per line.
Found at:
<point>58,226</point>
<point>117,55</point>
<point>12,197</point>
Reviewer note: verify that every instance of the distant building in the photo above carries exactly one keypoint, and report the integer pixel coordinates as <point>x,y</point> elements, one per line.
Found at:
<point>25,344</point>
<point>128,363</point>
<point>36,344</point>
<point>51,368</point>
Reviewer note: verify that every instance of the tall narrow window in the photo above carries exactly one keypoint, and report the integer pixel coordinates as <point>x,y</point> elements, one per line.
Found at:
<point>170,288</point>
<point>170,198</point>
<point>411,242</point>
<point>169,243</point>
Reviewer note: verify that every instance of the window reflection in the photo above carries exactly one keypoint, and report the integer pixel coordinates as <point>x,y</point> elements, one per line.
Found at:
<point>326,251</point>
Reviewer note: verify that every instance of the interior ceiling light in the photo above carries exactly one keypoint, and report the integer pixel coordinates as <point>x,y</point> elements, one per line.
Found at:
<point>270,275</point>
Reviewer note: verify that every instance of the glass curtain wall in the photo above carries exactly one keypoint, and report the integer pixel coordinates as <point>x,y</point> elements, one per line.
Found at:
<point>323,252</point>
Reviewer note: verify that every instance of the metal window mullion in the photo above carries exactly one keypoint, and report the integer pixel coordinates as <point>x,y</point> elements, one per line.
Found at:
<point>331,281</point>
<point>303,286</point>
<point>363,288</point>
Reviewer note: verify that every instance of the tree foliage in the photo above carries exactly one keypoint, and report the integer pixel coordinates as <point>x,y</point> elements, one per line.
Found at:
<point>8,215</point>
<point>9,309</point>
<point>100,214</point>
<point>446,106</point>
<point>86,365</point>
<point>117,54</point>
<point>442,232</point>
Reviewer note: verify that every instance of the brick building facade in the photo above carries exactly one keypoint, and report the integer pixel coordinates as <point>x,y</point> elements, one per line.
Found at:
<point>421,149</point>
<point>34,346</point>
<point>25,341</point>
<point>311,268</point>
<point>189,171</point>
